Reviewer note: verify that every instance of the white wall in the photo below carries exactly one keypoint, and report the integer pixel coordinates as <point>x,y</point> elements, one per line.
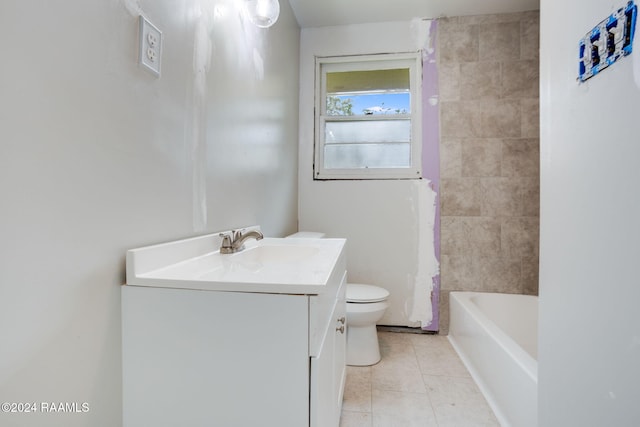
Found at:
<point>97,156</point>
<point>388,224</point>
<point>589,357</point>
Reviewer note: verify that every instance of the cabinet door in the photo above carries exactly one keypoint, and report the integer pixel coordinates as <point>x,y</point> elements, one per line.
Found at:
<point>340,350</point>
<point>328,369</point>
<point>323,410</point>
<point>227,359</point>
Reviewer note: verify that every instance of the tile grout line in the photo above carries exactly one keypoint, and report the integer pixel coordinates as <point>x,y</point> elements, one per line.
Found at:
<point>426,387</point>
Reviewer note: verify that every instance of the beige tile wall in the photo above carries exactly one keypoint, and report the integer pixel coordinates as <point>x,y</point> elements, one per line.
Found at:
<point>489,154</point>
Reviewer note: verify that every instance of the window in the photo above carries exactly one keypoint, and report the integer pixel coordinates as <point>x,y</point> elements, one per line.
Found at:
<point>368,117</point>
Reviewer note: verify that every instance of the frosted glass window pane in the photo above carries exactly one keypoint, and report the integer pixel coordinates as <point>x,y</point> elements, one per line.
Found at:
<point>368,131</point>
<point>360,156</point>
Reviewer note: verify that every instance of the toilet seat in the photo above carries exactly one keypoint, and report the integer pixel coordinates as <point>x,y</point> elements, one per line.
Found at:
<point>357,293</point>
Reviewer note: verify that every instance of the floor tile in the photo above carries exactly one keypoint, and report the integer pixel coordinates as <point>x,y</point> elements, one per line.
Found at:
<point>401,421</point>
<point>393,377</point>
<point>401,408</point>
<point>457,402</point>
<point>419,382</point>
<point>398,370</point>
<point>436,356</point>
<point>355,419</point>
<point>394,340</point>
<point>357,389</point>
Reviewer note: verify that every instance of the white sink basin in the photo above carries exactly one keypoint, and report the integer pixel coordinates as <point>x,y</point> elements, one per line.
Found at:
<point>271,265</point>
<point>268,253</point>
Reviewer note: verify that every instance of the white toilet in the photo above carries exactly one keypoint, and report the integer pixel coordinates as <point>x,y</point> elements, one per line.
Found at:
<point>366,305</point>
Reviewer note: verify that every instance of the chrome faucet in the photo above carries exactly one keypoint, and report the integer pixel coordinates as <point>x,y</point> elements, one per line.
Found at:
<point>233,241</point>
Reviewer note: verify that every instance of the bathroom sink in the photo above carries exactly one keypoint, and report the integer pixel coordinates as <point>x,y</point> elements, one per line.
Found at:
<point>268,253</point>
<point>271,265</point>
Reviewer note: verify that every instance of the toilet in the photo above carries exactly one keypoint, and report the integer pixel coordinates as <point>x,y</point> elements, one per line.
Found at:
<point>366,305</point>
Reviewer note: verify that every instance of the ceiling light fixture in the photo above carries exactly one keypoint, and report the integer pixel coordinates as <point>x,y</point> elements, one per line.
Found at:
<point>263,13</point>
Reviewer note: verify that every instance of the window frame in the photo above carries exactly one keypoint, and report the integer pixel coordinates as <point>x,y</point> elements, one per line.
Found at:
<point>412,61</point>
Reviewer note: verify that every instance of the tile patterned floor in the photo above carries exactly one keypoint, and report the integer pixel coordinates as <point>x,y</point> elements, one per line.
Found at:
<point>420,382</point>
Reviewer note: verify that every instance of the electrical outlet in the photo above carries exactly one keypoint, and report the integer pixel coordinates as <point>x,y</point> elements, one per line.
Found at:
<point>150,46</point>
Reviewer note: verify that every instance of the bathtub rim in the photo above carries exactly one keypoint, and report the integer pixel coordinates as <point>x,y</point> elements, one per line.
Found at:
<point>526,368</point>
<point>520,355</point>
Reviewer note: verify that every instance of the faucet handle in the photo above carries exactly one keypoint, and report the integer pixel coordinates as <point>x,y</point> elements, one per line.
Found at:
<point>227,239</point>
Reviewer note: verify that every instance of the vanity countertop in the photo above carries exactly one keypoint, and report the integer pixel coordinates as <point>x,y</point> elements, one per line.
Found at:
<point>270,265</point>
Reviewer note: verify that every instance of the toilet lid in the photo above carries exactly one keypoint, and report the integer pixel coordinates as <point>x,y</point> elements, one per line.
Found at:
<point>365,293</point>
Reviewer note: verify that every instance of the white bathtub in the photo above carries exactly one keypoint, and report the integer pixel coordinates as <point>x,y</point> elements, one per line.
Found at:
<point>496,336</point>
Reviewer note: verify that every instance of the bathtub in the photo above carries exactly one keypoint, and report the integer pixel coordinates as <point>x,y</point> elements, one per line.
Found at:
<point>496,336</point>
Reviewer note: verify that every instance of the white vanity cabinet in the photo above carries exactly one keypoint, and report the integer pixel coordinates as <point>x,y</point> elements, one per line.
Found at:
<point>198,355</point>
<point>328,368</point>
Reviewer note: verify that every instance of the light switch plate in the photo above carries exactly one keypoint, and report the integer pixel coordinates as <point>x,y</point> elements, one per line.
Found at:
<point>608,42</point>
<point>150,46</point>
